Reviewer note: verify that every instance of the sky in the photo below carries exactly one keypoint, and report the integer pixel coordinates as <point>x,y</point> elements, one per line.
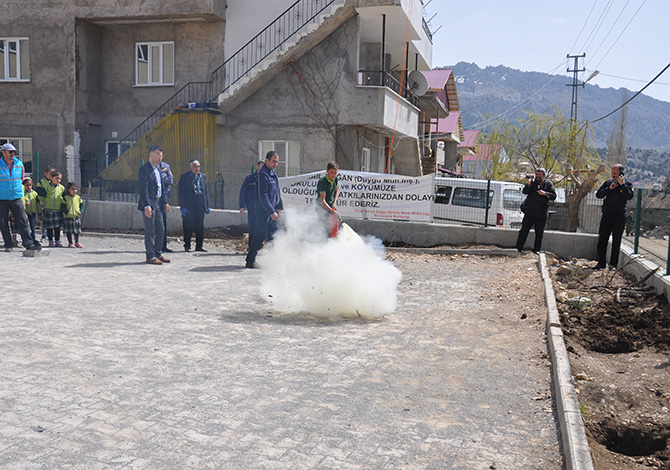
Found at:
<point>627,41</point>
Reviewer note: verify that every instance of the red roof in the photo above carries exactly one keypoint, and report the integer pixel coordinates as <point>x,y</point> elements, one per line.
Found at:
<point>443,83</point>
<point>448,124</point>
<point>470,138</point>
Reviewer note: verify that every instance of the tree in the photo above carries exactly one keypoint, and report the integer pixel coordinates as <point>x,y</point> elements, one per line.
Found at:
<point>556,143</point>
<point>616,142</point>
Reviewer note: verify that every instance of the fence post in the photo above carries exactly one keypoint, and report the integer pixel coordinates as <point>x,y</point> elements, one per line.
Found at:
<point>488,197</point>
<point>638,218</point>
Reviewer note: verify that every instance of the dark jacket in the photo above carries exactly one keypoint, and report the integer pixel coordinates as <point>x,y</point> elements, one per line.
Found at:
<point>615,199</point>
<point>249,193</point>
<point>166,176</point>
<point>535,204</point>
<point>149,189</point>
<point>189,198</point>
<point>269,195</point>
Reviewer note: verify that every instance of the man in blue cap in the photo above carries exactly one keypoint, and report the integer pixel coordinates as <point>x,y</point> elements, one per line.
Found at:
<point>12,173</point>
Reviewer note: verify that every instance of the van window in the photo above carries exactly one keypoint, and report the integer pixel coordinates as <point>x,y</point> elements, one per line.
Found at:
<point>442,194</point>
<point>512,199</point>
<point>471,197</point>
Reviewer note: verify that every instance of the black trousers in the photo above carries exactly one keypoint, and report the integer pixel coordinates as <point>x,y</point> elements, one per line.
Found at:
<point>611,223</point>
<point>526,225</point>
<point>17,208</point>
<point>194,221</point>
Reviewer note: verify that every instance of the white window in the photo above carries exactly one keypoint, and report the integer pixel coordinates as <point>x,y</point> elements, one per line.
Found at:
<point>14,60</point>
<point>365,159</point>
<point>154,63</point>
<point>114,149</point>
<point>24,150</point>
<point>289,155</point>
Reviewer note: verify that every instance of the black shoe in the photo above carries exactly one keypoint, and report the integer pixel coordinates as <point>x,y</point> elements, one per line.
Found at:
<point>537,252</point>
<point>187,249</point>
<point>251,265</point>
<point>167,250</point>
<point>35,247</point>
<point>599,266</point>
<point>200,249</point>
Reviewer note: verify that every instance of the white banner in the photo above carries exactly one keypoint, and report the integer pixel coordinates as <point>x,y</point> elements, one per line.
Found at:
<point>366,195</point>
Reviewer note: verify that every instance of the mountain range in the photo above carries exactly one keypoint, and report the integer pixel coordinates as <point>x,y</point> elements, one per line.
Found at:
<point>507,93</point>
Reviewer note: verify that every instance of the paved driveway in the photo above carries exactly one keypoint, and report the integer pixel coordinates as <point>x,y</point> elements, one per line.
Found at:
<point>109,363</point>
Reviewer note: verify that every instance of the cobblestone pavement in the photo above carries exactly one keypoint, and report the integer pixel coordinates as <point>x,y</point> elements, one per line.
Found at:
<point>109,363</point>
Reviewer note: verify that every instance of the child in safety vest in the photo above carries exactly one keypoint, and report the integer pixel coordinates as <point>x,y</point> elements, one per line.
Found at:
<point>51,198</point>
<point>71,207</point>
<point>42,184</point>
<point>31,203</point>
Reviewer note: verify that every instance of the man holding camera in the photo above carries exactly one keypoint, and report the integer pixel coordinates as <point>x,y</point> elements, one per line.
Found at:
<point>536,208</point>
<point>616,192</point>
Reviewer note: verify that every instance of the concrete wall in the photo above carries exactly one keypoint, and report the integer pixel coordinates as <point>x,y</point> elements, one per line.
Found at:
<point>116,215</point>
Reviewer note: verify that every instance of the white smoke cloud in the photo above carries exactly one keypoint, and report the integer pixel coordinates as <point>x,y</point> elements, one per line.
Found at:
<point>347,276</point>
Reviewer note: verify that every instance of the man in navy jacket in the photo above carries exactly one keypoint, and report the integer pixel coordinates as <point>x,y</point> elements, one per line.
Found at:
<point>153,198</point>
<point>269,205</point>
<point>249,199</point>
<point>194,202</point>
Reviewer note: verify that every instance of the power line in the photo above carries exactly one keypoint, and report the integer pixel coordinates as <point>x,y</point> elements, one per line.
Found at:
<point>611,28</point>
<point>635,95</point>
<point>584,26</point>
<point>618,37</point>
<point>626,78</point>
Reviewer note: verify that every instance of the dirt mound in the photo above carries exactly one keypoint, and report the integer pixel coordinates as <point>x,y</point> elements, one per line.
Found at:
<point>621,327</point>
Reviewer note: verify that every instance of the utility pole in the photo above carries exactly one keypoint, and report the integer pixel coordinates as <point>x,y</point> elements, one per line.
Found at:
<point>573,108</point>
<point>575,83</point>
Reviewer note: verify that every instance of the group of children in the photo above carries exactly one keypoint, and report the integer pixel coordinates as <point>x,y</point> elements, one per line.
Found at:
<point>58,206</point>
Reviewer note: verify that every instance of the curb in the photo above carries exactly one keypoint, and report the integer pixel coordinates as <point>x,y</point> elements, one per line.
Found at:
<point>511,252</point>
<point>576,450</point>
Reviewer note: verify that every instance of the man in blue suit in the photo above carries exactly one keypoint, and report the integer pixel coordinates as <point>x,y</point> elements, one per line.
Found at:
<point>249,199</point>
<point>153,198</point>
<point>270,206</point>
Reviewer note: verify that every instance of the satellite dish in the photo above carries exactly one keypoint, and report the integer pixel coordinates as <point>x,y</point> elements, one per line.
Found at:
<point>417,83</point>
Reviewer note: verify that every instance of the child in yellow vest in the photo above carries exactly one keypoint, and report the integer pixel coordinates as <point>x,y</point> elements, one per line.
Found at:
<point>71,207</point>
<point>51,198</point>
<point>31,202</point>
<point>42,184</point>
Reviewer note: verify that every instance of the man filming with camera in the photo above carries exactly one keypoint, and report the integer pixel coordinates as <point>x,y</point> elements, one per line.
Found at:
<point>535,208</point>
<point>616,192</point>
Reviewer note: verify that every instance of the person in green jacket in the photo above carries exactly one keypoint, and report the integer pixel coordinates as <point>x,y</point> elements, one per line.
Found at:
<point>31,202</point>
<point>51,198</point>
<point>71,207</point>
<point>42,184</point>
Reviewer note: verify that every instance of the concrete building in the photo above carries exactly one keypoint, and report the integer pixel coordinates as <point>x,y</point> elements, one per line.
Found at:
<point>91,71</point>
<point>315,80</point>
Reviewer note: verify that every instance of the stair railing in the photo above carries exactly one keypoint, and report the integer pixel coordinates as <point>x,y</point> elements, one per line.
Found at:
<point>259,48</point>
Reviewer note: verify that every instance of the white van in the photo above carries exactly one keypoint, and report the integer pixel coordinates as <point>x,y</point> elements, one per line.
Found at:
<point>462,200</point>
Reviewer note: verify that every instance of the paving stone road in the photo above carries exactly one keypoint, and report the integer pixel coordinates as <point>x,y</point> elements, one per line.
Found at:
<point>109,363</point>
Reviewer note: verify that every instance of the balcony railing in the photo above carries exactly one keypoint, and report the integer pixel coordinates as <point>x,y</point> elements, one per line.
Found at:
<point>385,79</point>
<point>427,30</point>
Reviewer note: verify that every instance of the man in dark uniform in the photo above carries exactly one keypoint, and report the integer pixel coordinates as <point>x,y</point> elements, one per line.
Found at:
<point>249,199</point>
<point>536,208</point>
<point>194,202</point>
<point>168,179</point>
<point>269,207</point>
<point>616,192</point>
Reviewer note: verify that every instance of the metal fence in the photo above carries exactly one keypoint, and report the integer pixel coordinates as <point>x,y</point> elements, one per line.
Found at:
<point>648,226</point>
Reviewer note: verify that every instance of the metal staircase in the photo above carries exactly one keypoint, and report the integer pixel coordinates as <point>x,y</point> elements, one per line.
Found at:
<point>238,72</point>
